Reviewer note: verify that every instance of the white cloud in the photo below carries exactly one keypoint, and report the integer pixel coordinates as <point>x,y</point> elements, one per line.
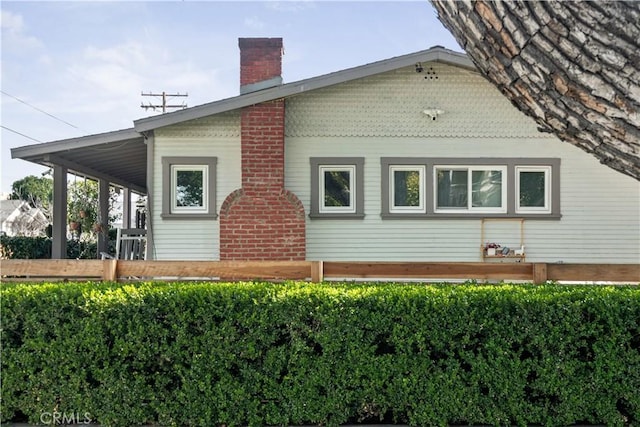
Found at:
<point>14,36</point>
<point>254,23</point>
<point>109,81</point>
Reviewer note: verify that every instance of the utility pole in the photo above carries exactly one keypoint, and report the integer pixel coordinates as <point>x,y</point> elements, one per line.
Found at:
<point>164,97</point>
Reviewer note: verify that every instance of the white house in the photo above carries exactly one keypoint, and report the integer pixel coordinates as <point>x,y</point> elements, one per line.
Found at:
<point>414,158</point>
<point>18,218</point>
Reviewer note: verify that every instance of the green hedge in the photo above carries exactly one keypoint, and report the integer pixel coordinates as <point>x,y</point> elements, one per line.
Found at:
<point>21,247</point>
<point>205,354</point>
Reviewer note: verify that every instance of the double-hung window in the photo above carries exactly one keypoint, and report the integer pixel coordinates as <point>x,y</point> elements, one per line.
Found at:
<point>188,187</point>
<point>470,189</point>
<point>337,188</point>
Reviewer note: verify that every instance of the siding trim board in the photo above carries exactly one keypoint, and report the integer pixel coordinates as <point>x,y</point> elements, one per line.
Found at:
<point>431,163</point>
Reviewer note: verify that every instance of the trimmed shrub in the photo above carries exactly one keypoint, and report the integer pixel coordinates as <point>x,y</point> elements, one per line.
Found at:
<point>21,247</point>
<point>202,354</point>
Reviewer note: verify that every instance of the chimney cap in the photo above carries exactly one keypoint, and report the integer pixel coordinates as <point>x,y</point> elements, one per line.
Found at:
<point>259,42</point>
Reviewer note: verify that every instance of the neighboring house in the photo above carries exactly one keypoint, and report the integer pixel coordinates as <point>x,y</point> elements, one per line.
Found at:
<point>18,218</point>
<point>414,158</point>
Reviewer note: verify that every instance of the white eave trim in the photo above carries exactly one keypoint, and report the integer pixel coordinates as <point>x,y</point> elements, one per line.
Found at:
<point>435,54</point>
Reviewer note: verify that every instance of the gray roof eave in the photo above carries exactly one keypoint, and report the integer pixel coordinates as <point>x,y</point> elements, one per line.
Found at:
<point>434,54</point>
<point>36,151</point>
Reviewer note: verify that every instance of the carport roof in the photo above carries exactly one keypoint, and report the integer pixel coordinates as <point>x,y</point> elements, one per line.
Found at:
<point>120,157</point>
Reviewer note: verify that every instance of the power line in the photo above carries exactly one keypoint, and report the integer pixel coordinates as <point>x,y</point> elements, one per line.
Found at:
<point>18,133</point>
<point>42,111</point>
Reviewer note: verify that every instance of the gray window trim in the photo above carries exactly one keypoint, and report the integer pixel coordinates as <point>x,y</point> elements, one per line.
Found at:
<point>510,163</point>
<point>316,162</point>
<point>210,163</point>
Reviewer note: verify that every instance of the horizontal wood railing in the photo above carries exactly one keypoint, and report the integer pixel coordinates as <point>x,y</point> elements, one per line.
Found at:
<point>315,271</point>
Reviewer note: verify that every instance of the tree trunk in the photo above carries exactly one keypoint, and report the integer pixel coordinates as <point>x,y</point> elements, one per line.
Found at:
<point>573,66</point>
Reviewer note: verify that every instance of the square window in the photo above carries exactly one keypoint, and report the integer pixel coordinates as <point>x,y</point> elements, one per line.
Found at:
<point>188,187</point>
<point>406,189</point>
<point>337,187</point>
<point>486,189</point>
<point>533,189</point>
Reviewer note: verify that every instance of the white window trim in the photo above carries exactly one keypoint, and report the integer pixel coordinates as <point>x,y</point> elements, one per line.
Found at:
<point>352,189</point>
<point>470,208</point>
<point>421,208</point>
<point>546,209</point>
<point>175,169</point>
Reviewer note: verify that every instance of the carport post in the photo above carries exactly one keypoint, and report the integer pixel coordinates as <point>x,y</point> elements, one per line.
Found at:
<point>103,203</point>
<point>59,232</point>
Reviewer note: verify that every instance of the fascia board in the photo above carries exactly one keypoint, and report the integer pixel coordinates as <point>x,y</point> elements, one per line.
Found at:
<point>436,54</point>
<point>35,151</point>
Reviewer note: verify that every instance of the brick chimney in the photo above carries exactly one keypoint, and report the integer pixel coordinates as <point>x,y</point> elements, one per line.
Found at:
<point>260,64</point>
<point>262,220</point>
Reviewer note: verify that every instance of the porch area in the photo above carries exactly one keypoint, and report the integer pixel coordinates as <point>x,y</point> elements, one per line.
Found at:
<point>113,159</point>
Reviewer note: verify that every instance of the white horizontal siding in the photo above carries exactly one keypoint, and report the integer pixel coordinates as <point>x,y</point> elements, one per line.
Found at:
<point>600,207</point>
<point>382,116</point>
<point>193,239</point>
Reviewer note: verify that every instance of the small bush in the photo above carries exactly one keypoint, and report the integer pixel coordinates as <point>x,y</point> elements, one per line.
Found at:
<point>20,247</point>
<point>204,354</point>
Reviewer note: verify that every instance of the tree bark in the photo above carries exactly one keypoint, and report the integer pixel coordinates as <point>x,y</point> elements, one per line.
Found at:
<point>573,66</point>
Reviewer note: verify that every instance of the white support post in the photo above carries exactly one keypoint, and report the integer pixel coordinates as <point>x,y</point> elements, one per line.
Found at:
<point>126,208</point>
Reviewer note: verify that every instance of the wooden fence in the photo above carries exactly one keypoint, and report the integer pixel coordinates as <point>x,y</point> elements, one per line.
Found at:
<point>315,271</point>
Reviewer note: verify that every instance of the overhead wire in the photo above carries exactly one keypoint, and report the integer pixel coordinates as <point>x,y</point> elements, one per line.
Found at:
<point>19,133</point>
<point>42,111</point>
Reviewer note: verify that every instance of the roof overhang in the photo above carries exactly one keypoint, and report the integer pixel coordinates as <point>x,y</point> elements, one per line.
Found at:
<point>119,157</point>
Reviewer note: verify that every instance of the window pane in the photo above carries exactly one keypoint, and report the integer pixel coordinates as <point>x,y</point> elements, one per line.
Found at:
<point>406,187</point>
<point>337,188</point>
<point>532,189</point>
<point>486,187</point>
<point>452,188</point>
<point>189,188</point>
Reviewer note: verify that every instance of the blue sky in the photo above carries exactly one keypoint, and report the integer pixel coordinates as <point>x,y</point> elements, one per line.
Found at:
<point>78,67</point>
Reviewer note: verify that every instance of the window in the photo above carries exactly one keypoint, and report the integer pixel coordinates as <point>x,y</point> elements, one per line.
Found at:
<point>188,187</point>
<point>337,189</point>
<point>459,188</point>
<point>533,189</point>
<point>406,188</point>
<point>471,189</point>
